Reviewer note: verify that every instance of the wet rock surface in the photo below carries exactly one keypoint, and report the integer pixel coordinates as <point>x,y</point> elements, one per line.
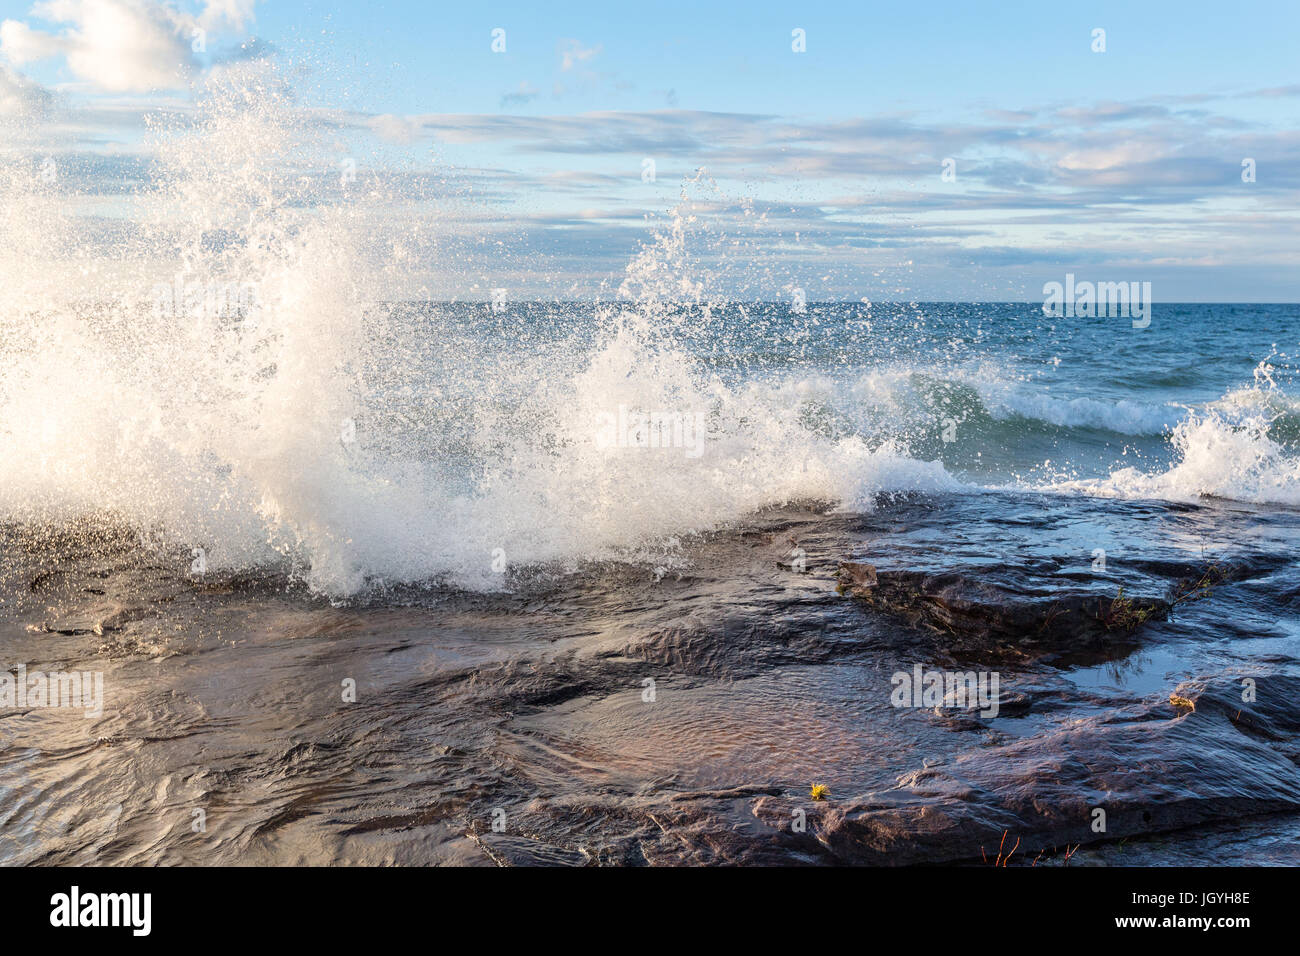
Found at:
<point>627,715</point>
<point>981,617</point>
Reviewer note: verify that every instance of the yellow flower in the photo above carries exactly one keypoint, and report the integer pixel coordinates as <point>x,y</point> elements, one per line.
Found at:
<point>820,791</point>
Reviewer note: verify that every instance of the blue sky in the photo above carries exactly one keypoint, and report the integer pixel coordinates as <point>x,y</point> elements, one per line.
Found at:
<point>1122,164</point>
<point>861,59</point>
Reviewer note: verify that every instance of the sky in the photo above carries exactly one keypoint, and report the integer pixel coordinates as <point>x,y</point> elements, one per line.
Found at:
<point>863,150</point>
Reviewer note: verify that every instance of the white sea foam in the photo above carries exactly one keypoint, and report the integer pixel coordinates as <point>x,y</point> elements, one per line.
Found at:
<point>1215,455</point>
<point>260,438</point>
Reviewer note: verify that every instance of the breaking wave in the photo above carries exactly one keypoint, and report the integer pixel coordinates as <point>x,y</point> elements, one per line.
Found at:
<point>228,377</point>
<point>1242,447</point>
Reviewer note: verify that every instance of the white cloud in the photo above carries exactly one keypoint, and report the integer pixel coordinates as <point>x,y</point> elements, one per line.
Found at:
<point>234,12</point>
<point>572,53</point>
<point>395,129</point>
<point>20,98</point>
<point>120,45</point>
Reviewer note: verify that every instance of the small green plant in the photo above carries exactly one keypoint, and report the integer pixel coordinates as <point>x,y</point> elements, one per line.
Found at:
<point>1123,613</point>
<point>1198,588</point>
